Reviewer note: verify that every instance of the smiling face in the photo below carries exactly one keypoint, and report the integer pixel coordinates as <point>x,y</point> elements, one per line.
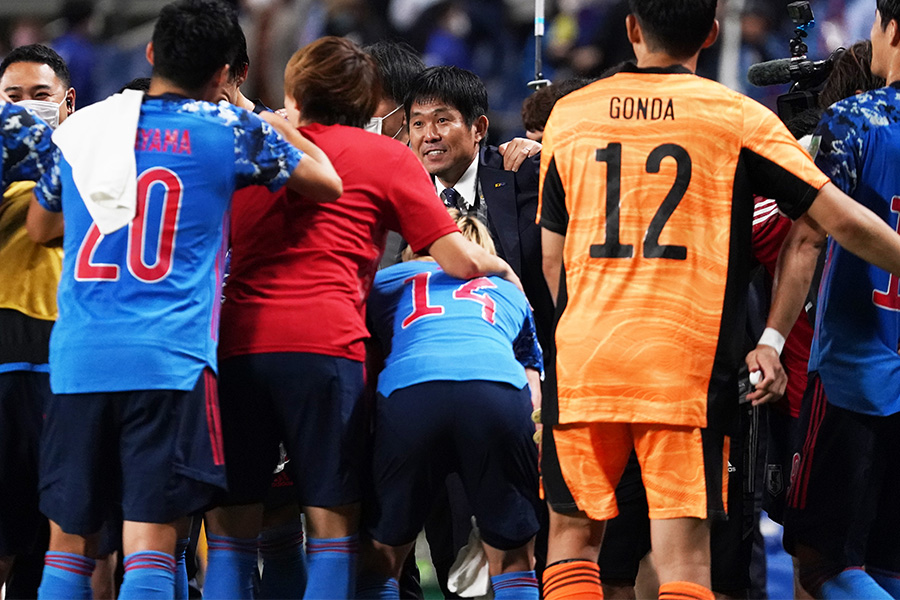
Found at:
<point>37,81</point>
<point>442,140</point>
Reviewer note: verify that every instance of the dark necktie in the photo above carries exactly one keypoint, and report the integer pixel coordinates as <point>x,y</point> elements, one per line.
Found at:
<point>450,197</point>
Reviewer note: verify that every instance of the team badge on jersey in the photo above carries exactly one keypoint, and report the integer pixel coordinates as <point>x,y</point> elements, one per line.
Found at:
<point>774,479</point>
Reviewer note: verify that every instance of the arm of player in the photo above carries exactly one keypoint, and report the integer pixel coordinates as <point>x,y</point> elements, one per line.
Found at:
<point>552,257</point>
<point>42,225</point>
<point>516,150</point>
<point>460,258</point>
<point>315,177</point>
<point>793,276</point>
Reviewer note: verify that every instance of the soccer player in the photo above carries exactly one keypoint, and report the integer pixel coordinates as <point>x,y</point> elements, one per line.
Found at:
<point>845,475</point>
<point>647,207</point>
<point>26,154</point>
<point>453,398</point>
<point>293,328</point>
<point>134,417</point>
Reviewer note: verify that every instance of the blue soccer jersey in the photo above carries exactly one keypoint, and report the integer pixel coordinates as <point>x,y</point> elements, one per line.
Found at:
<point>858,319</point>
<point>27,149</point>
<point>439,328</point>
<point>138,308</point>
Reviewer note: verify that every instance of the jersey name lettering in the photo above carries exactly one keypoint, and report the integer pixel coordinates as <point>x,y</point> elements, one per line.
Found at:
<point>650,109</point>
<point>173,141</point>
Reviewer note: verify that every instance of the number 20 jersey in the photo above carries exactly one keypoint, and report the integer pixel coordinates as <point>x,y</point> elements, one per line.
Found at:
<point>139,308</point>
<point>649,175</point>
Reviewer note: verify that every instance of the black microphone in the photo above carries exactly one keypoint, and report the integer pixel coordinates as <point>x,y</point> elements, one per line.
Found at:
<point>784,70</point>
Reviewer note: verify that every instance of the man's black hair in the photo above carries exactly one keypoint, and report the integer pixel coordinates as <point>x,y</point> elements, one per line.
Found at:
<point>38,53</point>
<point>398,65</point>
<point>141,84</point>
<point>889,10</point>
<point>192,40</point>
<point>677,27</point>
<point>458,88</point>
<point>241,58</point>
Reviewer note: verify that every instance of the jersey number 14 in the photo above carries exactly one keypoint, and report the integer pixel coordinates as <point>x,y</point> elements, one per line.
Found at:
<point>422,307</point>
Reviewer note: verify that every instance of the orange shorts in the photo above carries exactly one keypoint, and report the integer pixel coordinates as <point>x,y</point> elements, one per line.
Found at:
<point>684,469</point>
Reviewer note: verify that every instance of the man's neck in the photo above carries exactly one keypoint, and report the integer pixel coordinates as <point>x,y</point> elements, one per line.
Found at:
<point>161,85</point>
<point>661,60</point>
<point>451,178</point>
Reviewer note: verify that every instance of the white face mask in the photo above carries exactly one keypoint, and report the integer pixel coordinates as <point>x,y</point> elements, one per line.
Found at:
<point>375,123</point>
<point>47,111</point>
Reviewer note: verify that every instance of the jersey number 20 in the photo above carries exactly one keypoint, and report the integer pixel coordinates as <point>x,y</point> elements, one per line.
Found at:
<point>88,270</point>
<point>612,248</point>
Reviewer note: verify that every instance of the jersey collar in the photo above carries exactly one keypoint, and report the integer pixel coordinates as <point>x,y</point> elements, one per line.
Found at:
<point>631,67</point>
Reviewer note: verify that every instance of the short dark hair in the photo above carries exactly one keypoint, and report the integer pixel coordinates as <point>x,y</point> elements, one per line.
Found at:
<point>398,64</point>
<point>677,27</point>
<point>241,59</point>
<point>459,88</point>
<point>889,11</point>
<point>141,84</point>
<point>536,107</point>
<point>192,40</point>
<point>333,82</point>
<point>38,53</point>
<point>852,71</point>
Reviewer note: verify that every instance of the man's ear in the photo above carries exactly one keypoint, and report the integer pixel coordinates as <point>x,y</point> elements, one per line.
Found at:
<point>893,31</point>
<point>70,101</point>
<point>713,35</point>
<point>481,127</point>
<point>149,53</point>
<point>633,30</point>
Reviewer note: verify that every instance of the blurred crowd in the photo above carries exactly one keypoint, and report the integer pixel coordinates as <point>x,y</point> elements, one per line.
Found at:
<point>493,38</point>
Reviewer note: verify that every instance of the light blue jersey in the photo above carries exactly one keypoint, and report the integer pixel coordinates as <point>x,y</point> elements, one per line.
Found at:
<point>438,328</point>
<point>139,308</point>
<point>858,319</point>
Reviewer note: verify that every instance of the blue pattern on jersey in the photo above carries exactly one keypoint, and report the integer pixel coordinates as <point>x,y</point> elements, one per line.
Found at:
<point>460,343</point>
<point>138,308</point>
<point>854,348</point>
<point>27,148</point>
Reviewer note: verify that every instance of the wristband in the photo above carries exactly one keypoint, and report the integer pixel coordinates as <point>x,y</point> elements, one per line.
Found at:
<point>771,337</point>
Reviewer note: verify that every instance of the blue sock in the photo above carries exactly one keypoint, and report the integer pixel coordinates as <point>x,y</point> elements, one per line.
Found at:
<point>284,566</point>
<point>66,576</point>
<point>516,584</point>
<point>230,569</point>
<point>331,565</point>
<point>148,575</point>
<point>852,584</point>
<point>888,580</point>
<point>377,587</point>
<point>181,578</point>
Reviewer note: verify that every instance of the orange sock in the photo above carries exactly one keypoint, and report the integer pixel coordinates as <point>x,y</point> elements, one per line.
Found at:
<point>684,590</point>
<point>572,579</point>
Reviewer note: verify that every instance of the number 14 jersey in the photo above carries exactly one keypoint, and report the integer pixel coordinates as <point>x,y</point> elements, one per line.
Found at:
<point>649,175</point>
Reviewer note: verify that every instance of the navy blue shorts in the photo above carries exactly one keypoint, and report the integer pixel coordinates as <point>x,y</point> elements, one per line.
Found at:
<point>22,398</point>
<point>782,442</point>
<point>479,429</point>
<point>156,453</point>
<point>311,402</point>
<point>845,490</point>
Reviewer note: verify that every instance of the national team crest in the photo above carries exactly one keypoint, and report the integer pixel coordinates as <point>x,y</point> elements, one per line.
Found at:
<point>774,479</point>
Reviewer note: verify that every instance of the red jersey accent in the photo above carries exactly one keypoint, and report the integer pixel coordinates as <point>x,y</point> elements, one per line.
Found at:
<point>301,272</point>
<point>769,230</point>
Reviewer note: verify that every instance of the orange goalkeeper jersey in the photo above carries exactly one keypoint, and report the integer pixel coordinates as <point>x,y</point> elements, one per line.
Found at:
<point>649,175</point>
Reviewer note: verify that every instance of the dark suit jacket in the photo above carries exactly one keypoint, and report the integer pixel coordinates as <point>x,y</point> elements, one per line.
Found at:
<point>511,200</point>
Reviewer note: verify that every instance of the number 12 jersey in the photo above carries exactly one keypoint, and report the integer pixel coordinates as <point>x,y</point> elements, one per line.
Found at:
<point>649,175</point>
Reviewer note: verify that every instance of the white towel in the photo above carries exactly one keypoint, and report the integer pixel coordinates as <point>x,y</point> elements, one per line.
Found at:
<point>98,142</point>
<point>469,576</point>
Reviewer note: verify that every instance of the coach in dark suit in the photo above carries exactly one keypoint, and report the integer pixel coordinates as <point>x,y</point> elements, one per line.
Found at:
<point>446,112</point>
<point>447,117</point>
